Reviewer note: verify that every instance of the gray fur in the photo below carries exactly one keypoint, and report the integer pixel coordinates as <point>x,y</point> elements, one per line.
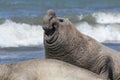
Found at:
<point>70,45</point>
<point>44,70</point>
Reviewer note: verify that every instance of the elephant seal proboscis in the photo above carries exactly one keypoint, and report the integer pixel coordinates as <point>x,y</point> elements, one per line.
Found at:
<point>64,42</point>
<point>46,69</point>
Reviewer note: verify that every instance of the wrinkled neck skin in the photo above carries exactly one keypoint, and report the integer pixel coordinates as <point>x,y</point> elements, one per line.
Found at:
<point>68,44</point>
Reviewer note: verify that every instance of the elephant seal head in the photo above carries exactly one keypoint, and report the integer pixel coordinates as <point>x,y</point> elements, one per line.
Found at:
<point>55,27</point>
<point>49,22</point>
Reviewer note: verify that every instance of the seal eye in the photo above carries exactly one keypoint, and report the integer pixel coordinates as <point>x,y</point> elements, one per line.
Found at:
<point>61,20</point>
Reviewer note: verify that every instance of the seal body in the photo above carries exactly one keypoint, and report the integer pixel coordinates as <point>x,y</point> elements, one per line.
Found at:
<point>66,43</point>
<point>44,70</point>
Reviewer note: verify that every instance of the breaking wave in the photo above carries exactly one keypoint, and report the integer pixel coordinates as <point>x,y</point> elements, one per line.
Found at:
<point>101,18</point>
<point>104,27</point>
<point>14,34</point>
<point>102,33</point>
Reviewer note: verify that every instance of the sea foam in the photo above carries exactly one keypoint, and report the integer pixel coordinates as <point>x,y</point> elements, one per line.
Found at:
<point>104,27</point>
<point>102,33</point>
<point>107,18</point>
<point>14,34</point>
<point>101,17</point>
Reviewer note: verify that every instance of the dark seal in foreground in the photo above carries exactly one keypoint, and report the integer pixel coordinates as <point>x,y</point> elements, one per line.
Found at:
<point>64,42</point>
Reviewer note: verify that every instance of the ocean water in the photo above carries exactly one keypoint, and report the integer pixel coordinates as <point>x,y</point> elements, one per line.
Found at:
<point>21,34</point>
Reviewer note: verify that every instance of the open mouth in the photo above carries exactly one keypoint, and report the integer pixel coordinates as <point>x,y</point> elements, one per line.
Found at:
<point>50,31</point>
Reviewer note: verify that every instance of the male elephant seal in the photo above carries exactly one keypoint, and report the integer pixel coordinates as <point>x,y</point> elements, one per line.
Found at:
<point>44,70</point>
<point>64,42</point>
